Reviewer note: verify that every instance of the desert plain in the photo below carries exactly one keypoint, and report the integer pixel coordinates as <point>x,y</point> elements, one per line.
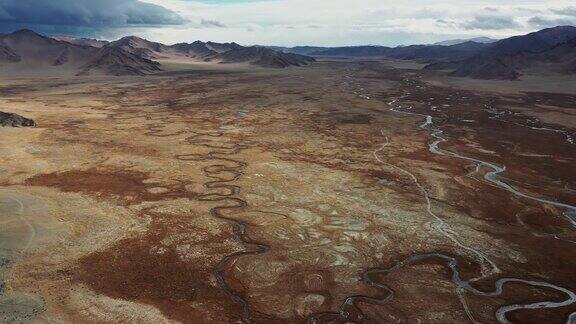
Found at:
<point>361,191</point>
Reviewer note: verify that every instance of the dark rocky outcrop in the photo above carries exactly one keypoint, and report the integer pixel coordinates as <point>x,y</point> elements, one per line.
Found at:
<point>15,120</point>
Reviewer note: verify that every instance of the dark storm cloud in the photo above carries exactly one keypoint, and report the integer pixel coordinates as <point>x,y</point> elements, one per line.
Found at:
<point>489,22</point>
<point>86,13</point>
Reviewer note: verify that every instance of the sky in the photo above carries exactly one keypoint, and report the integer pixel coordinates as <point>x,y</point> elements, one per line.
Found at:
<point>287,22</point>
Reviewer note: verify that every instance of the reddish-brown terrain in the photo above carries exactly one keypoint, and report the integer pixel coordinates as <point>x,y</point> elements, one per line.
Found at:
<point>348,191</point>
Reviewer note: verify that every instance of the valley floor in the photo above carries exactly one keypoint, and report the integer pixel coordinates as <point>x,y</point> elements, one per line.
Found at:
<point>340,192</point>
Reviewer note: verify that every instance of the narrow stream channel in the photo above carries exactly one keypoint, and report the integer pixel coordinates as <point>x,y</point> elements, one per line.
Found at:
<point>492,177</point>
<point>350,311</point>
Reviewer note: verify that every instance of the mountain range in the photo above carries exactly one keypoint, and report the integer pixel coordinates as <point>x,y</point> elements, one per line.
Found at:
<point>25,51</point>
<point>210,52</point>
<point>550,50</point>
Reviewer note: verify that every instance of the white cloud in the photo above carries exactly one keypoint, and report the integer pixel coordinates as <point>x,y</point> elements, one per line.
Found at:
<point>345,22</point>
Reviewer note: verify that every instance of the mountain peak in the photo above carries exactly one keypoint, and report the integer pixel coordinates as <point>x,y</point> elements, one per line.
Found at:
<point>129,40</point>
<point>26,32</point>
<point>135,38</point>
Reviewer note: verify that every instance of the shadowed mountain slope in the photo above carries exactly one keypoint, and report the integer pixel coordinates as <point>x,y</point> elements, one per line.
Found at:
<point>484,58</point>
<point>25,51</point>
<point>211,51</point>
<point>263,57</point>
<point>539,41</point>
<point>551,50</point>
<point>115,61</point>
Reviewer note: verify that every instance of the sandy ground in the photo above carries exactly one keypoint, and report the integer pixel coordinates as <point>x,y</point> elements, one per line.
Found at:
<point>222,195</point>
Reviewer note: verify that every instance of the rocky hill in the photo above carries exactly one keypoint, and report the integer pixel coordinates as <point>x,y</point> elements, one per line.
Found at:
<point>25,51</point>
<point>141,47</point>
<point>115,61</point>
<point>263,57</point>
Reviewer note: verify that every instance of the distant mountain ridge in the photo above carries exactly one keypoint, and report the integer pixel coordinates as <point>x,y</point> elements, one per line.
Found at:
<point>264,57</point>
<point>422,53</point>
<point>544,51</point>
<point>481,40</point>
<point>25,50</point>
<point>445,50</point>
<point>550,50</point>
<point>82,41</point>
<point>481,58</point>
<point>211,52</point>
<point>302,50</point>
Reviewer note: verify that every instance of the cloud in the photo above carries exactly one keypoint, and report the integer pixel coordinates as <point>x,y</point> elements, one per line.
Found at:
<point>86,13</point>
<point>489,22</point>
<point>211,23</point>
<point>426,13</point>
<point>446,23</point>
<point>528,10</point>
<point>568,11</point>
<point>285,22</point>
<point>345,22</point>
<point>544,22</point>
